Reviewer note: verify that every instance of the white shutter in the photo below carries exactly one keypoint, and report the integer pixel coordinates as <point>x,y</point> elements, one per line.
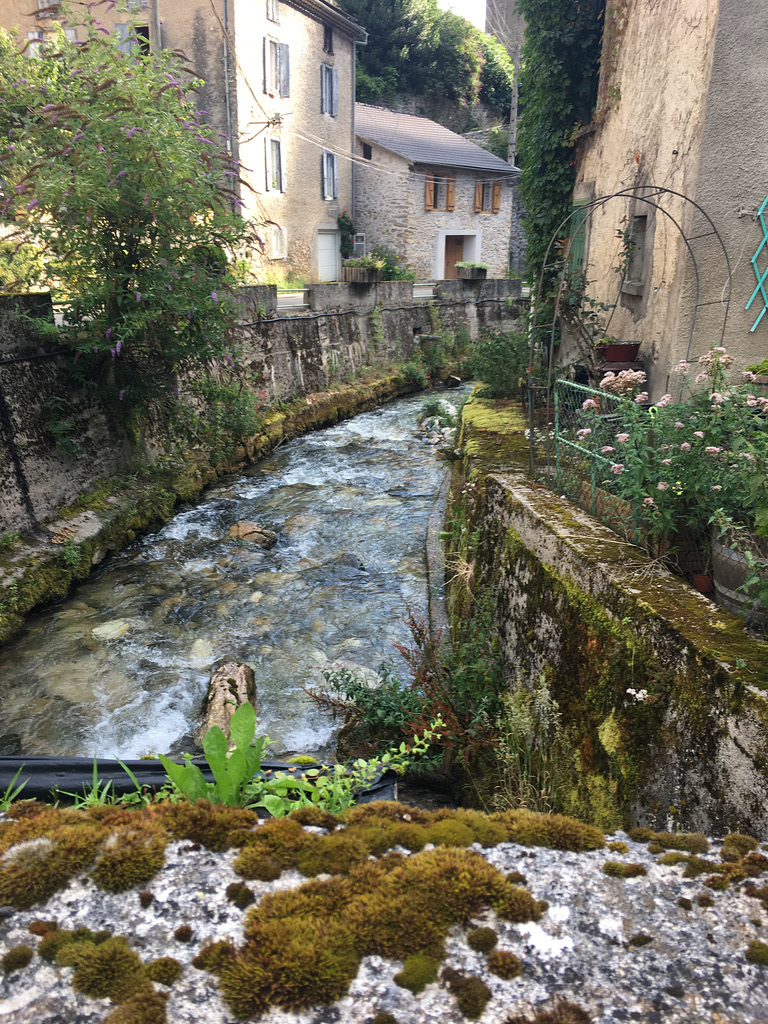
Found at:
<point>335,176</point>
<point>283,175</point>
<point>285,70</point>
<point>323,88</point>
<point>268,161</point>
<point>324,171</point>
<point>334,91</point>
<point>266,64</point>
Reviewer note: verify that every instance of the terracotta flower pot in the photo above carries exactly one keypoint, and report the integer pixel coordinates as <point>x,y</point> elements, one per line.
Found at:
<point>704,582</point>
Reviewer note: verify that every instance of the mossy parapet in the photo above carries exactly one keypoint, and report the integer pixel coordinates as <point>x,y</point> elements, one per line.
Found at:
<point>663,696</point>
<point>36,569</point>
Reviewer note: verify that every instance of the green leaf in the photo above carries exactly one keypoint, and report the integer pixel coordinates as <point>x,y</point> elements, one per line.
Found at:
<point>242,726</point>
<point>187,778</point>
<point>276,806</point>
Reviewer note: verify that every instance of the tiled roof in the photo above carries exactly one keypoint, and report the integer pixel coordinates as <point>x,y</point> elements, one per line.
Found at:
<point>423,141</point>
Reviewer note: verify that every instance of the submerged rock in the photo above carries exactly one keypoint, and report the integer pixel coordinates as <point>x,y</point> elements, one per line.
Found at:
<point>253,533</point>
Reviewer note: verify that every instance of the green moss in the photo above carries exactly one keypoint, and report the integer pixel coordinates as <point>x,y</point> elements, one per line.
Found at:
<point>472,994</point>
<point>670,859</point>
<point>450,832</point>
<point>639,940</point>
<point>505,964</point>
<point>304,761</point>
<point>757,953</point>
<point>685,903</point>
<point>142,1008</point>
<point>483,939</point>
<point>692,842</point>
<point>617,869</point>
<point>696,866</point>
<point>554,830</point>
<point>384,1018</point>
<point>755,864</point>
<point>165,970</point>
<point>130,856</point>
<point>332,855</point>
<point>717,882</point>
<point>214,826</point>
<point>39,927</point>
<point>257,863</point>
<point>736,846</point>
<point>240,895</point>
<point>34,869</point>
<point>184,933</point>
<point>618,847</point>
<point>16,958</point>
<point>315,816</point>
<point>418,972</point>
<point>563,1012</point>
<point>704,900</point>
<point>517,905</point>
<point>213,957</point>
<point>110,970</point>
<point>641,834</point>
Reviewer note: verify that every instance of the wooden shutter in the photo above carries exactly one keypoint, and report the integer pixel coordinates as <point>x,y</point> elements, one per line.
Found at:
<point>429,194</point>
<point>266,64</point>
<point>334,91</point>
<point>285,70</point>
<point>323,88</point>
<point>450,193</point>
<point>478,197</point>
<point>335,176</point>
<point>268,161</point>
<point>324,165</point>
<point>283,175</point>
<point>496,197</point>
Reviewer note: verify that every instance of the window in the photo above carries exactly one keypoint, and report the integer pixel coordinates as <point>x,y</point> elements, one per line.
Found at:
<point>273,10</point>
<point>47,9</point>
<point>132,38</point>
<point>330,176</point>
<point>633,283</point>
<point>275,164</point>
<point>487,196</point>
<point>278,242</point>
<point>277,75</point>
<point>34,39</point>
<point>70,34</point>
<point>327,39</point>
<point>329,90</point>
<point>440,193</point>
<point>367,152</point>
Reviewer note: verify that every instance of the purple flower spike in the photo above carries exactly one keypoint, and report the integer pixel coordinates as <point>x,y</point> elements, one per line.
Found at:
<point>215,298</point>
<point>118,346</point>
<point>138,296</point>
<point>33,204</point>
<point>108,333</point>
<point>120,396</point>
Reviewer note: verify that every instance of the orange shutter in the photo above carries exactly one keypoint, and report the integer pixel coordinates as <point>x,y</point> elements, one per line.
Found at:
<point>450,193</point>
<point>478,197</point>
<point>429,195</point>
<point>496,197</point>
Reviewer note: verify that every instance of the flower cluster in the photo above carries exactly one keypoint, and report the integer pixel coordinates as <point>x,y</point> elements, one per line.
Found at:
<point>625,383</point>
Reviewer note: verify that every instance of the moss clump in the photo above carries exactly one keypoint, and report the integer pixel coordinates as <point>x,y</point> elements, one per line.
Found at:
<point>16,958</point>
<point>146,898</point>
<point>39,927</point>
<point>239,894</point>
<point>482,939</point>
<point>696,866</point>
<point>755,864</point>
<point>183,933</point>
<point>385,810</point>
<point>553,830</point>
<point>704,900</point>
<point>618,847</point>
<point>214,826</point>
<point>271,849</point>
<point>110,970</point>
<point>639,940</point>
<point>384,1018</point>
<point>691,842</point>
<point>472,994</point>
<point>685,903</point>
<point>735,846</point>
<point>418,972</point>
<point>131,855</point>
<point>143,1008</point>
<point>485,830</point>
<point>505,964</point>
<point>55,940</point>
<point>641,834</point>
<point>672,858</point>
<point>165,970</point>
<point>717,882</point>
<point>315,816</point>
<point>450,832</point>
<point>332,855</point>
<point>759,893</point>
<point>563,1012</point>
<point>258,864</point>
<point>212,958</point>
<point>617,869</point>
<point>757,953</point>
<point>517,905</point>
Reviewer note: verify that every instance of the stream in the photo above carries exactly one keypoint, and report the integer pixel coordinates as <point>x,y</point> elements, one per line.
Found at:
<point>120,667</point>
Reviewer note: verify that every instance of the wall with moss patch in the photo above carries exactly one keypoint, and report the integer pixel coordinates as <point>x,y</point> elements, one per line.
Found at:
<point>583,609</point>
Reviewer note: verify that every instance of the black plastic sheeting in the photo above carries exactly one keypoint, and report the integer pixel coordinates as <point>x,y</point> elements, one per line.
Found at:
<point>44,775</point>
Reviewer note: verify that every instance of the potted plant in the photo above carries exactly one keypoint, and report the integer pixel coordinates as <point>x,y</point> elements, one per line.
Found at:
<point>362,270</point>
<point>620,351</point>
<point>466,270</point>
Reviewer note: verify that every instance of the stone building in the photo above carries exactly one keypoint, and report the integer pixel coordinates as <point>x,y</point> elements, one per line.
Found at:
<point>432,197</point>
<point>279,85</point>
<point>679,121</point>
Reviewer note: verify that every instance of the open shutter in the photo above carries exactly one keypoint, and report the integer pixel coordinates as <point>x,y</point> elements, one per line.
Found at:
<point>429,194</point>
<point>268,161</point>
<point>496,197</point>
<point>335,176</point>
<point>324,173</point>
<point>334,91</point>
<point>323,89</point>
<point>450,194</point>
<point>124,38</point>
<point>285,71</point>
<point>283,175</point>
<point>266,64</point>
<point>478,197</point>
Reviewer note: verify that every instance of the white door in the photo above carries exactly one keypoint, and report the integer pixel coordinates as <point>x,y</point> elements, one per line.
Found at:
<point>328,255</point>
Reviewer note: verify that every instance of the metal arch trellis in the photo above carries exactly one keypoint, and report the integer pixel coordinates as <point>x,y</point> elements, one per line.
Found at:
<point>586,212</point>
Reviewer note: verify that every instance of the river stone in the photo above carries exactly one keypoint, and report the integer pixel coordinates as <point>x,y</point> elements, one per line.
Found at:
<point>231,685</point>
<point>112,630</point>
<point>201,653</point>
<point>254,533</point>
<point>300,524</point>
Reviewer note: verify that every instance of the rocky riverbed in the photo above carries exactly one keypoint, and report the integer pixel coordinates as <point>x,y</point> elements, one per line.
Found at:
<point>629,931</point>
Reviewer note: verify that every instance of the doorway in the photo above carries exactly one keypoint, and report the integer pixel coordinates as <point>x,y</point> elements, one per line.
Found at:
<point>327,255</point>
<point>454,253</point>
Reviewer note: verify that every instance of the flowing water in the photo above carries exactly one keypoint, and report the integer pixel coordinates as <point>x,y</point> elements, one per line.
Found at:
<point>121,667</point>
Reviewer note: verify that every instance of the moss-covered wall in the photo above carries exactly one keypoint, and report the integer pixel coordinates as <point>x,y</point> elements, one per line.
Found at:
<point>582,609</point>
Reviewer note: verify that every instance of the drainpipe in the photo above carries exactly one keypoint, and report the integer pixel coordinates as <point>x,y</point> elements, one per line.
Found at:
<point>355,44</point>
<point>226,78</point>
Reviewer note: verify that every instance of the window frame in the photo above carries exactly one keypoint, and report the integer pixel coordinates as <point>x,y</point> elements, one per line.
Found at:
<point>487,196</point>
<point>432,198</point>
<point>273,11</point>
<point>329,90</point>
<point>277,67</point>
<point>274,144</point>
<point>328,40</point>
<point>329,184</point>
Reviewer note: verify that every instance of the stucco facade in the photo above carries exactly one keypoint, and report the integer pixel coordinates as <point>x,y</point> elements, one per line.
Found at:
<point>279,86</point>
<point>679,109</point>
<point>392,207</point>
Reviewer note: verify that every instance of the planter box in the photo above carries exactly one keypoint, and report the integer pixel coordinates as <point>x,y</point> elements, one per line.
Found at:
<point>622,352</point>
<point>360,275</point>
<point>471,273</point>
